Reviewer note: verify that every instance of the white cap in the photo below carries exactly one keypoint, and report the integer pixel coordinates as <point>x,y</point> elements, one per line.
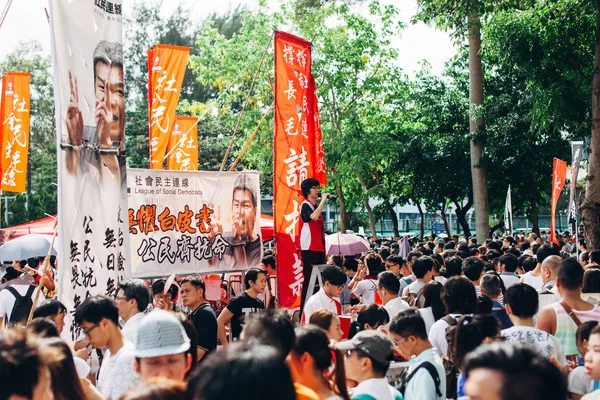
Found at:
<point>160,333</point>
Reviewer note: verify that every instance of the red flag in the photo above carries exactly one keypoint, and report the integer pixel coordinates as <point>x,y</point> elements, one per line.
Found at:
<point>166,68</point>
<point>559,175</point>
<point>319,153</point>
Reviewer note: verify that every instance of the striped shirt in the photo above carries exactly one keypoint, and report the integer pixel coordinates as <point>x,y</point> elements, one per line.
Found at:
<point>566,328</point>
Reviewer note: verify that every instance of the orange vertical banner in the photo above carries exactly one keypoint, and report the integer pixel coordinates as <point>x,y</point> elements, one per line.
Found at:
<point>293,159</point>
<point>559,175</point>
<point>166,69</point>
<point>183,145</point>
<point>14,116</point>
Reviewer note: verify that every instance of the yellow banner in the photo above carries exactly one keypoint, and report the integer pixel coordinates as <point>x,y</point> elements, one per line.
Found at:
<point>183,145</point>
<point>14,115</point>
<point>166,69</point>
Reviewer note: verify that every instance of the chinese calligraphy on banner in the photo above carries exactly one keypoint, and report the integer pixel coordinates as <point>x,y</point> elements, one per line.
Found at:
<point>193,222</point>
<point>90,121</point>
<point>166,68</point>
<point>14,116</point>
<point>295,156</point>
<point>559,175</point>
<point>183,145</point>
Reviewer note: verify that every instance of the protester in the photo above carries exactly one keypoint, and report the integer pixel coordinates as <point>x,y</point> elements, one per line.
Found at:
<point>426,377</point>
<point>591,281</point>
<point>388,287</point>
<point>579,382</point>
<point>491,286</point>
<point>132,300</point>
<point>54,310</point>
<point>24,366</point>
<point>458,295</point>
<point>521,305</point>
<point>334,281</point>
<point>534,278</point>
<point>453,266</point>
<point>473,269</point>
<point>350,268</point>
<point>17,298</point>
<point>312,231</point>
<point>242,305</point>
<point>371,317</point>
<point>365,287</point>
<point>423,268</point>
<point>201,315</point>
<point>434,307</point>
<point>43,327</point>
<point>65,381</point>
<point>243,371</point>
<point>504,371</point>
<point>190,332</point>
<point>368,357</point>
<point>592,361</point>
<point>157,389</point>
<point>98,318</point>
<point>508,267</point>
<point>562,318</point>
<point>310,363</point>
<point>329,322</point>
<point>161,349</point>
<point>162,299</point>
<point>549,267</point>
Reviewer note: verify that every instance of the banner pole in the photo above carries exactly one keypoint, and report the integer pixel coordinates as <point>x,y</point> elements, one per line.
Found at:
<point>251,137</point>
<point>44,271</point>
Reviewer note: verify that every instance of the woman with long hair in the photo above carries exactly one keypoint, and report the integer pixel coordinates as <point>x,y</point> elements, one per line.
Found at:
<point>434,307</point>
<point>370,318</point>
<point>329,322</point>
<point>310,363</point>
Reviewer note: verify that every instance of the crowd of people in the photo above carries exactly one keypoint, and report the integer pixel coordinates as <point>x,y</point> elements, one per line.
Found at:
<point>513,318</point>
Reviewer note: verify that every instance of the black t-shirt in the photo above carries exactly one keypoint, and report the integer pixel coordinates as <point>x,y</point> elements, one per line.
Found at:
<point>305,212</point>
<point>240,306</point>
<point>205,322</point>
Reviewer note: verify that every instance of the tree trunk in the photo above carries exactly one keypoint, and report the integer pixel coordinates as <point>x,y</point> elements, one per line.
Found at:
<point>343,214</point>
<point>478,174</point>
<point>590,210</point>
<point>535,223</point>
<point>422,217</point>
<point>499,225</point>
<point>461,217</point>
<point>368,207</point>
<point>394,218</point>
<point>445,220</point>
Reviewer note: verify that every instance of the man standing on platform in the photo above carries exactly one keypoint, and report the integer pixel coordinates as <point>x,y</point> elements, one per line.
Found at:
<point>312,231</point>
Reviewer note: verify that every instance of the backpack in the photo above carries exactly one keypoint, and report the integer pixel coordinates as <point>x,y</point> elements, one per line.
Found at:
<point>22,307</point>
<point>432,371</point>
<point>413,298</point>
<point>449,366</point>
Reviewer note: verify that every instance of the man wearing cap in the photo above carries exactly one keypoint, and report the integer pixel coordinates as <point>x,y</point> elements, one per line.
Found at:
<point>162,348</point>
<point>368,357</point>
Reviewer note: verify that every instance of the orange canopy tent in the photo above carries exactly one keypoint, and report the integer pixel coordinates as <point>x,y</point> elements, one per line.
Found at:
<point>45,226</point>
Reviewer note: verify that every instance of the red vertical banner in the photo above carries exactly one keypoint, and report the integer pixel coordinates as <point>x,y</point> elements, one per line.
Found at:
<point>14,123</point>
<point>320,168</point>
<point>559,175</point>
<point>166,69</point>
<point>183,145</point>
<point>293,157</point>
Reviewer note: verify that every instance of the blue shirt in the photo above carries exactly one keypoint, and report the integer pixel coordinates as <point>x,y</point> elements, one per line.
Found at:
<point>501,315</point>
<point>422,385</point>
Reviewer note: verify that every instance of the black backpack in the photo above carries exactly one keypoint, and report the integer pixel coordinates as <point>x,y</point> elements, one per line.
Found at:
<point>432,371</point>
<point>449,360</point>
<point>22,307</point>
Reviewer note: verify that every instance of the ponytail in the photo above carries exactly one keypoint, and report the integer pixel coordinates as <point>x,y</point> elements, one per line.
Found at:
<point>337,376</point>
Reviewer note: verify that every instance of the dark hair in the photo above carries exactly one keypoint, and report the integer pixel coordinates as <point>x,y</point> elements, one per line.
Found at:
<point>158,287</point>
<point>510,239</point>
<point>527,375</point>
<point>529,264</point>
<point>313,340</point>
<point>373,262</point>
<point>490,285</point>
<point>49,308</point>
<point>458,295</point>
<point>522,299</point>
<point>584,256</point>
<point>388,281</point>
<point>334,275</point>
<point>243,183</point>
<point>350,263</point>
<point>584,330</point>
<point>137,290</point>
<point>594,256</point>
<point>546,250</point>
<point>156,389</point>
<point>192,334</point>
<point>510,262</point>
<point>270,261</point>
<point>409,323</point>
<point>570,274</point>
<point>322,318</point>
<point>432,292</point>
<point>242,365</point>
<point>373,314</point>
<point>252,275</point>
<point>422,266</point>
<point>379,369</point>
<point>273,328</point>
<point>94,309</point>
<point>65,381</point>
<point>308,184</point>
<point>196,283</point>
<point>22,357</point>
<point>411,256</point>
<point>43,327</point>
<point>453,266</point>
<point>395,259</point>
<point>484,305</point>
<point>591,280</point>
<point>514,252</point>
<point>384,253</point>
<point>471,332</point>
<point>473,268</point>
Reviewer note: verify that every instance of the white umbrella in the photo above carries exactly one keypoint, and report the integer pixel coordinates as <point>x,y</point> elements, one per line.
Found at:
<point>26,247</point>
<point>404,247</point>
<point>345,244</point>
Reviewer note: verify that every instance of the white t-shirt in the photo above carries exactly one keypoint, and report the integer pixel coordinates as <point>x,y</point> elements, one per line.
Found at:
<point>7,299</point>
<point>544,342</point>
<point>117,375</point>
<point>580,382</point>
<point>427,315</point>
<point>130,328</point>
<point>366,289</point>
<point>437,335</point>
<point>318,301</point>
<point>509,279</point>
<point>395,306</point>
<point>535,282</point>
